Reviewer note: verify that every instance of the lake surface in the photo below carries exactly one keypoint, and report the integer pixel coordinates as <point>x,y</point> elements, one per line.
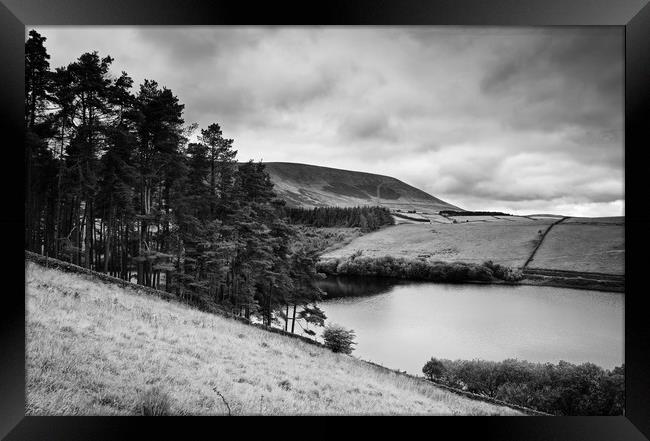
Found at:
<point>403,324</point>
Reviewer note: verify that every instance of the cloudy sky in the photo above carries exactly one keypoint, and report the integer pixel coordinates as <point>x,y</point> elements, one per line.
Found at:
<point>524,120</point>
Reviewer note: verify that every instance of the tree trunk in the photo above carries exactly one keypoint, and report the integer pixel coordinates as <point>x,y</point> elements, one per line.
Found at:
<point>57,215</point>
<point>179,291</point>
<point>98,255</point>
<point>107,252</point>
<point>139,278</point>
<point>125,250</point>
<point>80,223</point>
<point>87,235</point>
<point>293,320</point>
<point>269,317</point>
<point>286,319</point>
<point>212,183</point>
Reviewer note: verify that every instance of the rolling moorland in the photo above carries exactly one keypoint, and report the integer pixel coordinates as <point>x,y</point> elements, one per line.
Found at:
<point>504,242</point>
<point>95,348</point>
<point>309,186</point>
<point>549,249</point>
<point>588,246</point>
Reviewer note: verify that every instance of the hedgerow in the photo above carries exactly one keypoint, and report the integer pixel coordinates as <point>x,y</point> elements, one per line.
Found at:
<point>415,269</point>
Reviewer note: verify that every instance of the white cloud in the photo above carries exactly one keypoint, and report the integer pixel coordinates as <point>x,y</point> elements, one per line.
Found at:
<point>487,118</point>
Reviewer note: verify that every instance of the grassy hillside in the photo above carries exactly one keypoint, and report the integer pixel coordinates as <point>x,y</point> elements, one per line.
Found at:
<point>584,244</point>
<point>309,186</point>
<point>505,242</point>
<point>95,348</point>
<point>576,244</point>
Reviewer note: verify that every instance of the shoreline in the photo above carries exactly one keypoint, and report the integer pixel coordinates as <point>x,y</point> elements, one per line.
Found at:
<point>555,283</point>
<point>415,243</point>
<point>571,280</point>
<point>144,292</point>
<point>564,284</point>
<point>524,282</point>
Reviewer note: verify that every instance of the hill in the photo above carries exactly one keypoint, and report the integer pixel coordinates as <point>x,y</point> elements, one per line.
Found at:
<point>507,242</point>
<point>584,244</point>
<point>95,348</point>
<point>580,245</point>
<point>309,186</point>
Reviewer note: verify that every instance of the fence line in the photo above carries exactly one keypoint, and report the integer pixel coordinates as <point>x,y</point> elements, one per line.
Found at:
<point>541,239</point>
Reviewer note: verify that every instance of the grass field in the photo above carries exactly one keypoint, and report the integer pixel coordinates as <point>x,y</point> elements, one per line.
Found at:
<point>614,220</point>
<point>505,242</point>
<point>475,218</point>
<point>438,218</point>
<point>98,349</point>
<point>575,244</point>
<point>585,245</point>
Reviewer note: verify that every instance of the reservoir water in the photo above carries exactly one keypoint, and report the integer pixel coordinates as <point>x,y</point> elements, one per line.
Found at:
<point>401,324</point>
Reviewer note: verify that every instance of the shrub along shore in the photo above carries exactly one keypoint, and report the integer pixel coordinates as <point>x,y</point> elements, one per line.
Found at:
<point>562,389</point>
<point>416,269</point>
<point>461,272</point>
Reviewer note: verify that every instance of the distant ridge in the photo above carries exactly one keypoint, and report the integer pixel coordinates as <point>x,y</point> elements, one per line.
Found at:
<point>309,186</point>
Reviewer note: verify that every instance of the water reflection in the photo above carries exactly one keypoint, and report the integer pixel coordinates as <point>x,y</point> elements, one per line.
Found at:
<point>402,324</point>
<point>355,286</point>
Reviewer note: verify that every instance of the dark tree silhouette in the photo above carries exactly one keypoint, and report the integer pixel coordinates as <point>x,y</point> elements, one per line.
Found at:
<point>113,184</point>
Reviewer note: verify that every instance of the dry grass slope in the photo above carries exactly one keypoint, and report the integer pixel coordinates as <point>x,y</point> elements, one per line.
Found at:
<point>576,244</point>
<point>502,241</point>
<point>583,245</point>
<point>98,349</point>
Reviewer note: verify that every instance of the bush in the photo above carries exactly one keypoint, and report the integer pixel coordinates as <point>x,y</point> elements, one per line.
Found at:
<point>503,272</point>
<point>153,402</point>
<point>562,389</point>
<point>339,339</point>
<point>399,267</point>
<point>433,369</point>
<point>327,266</point>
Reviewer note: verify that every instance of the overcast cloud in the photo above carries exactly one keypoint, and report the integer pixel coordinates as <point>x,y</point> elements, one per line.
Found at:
<point>524,120</point>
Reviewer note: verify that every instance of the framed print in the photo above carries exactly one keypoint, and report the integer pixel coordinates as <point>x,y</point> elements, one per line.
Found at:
<point>349,209</point>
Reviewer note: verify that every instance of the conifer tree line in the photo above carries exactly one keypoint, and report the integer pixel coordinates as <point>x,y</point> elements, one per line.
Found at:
<point>113,184</point>
<point>366,218</point>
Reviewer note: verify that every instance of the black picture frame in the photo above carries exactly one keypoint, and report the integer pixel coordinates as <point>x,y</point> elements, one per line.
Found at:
<point>633,15</point>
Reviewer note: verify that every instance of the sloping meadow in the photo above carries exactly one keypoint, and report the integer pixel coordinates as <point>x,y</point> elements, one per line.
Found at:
<point>98,349</point>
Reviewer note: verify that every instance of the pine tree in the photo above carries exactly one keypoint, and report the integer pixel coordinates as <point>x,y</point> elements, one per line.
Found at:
<point>159,129</point>
<point>112,184</point>
<point>38,160</point>
<point>223,165</point>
